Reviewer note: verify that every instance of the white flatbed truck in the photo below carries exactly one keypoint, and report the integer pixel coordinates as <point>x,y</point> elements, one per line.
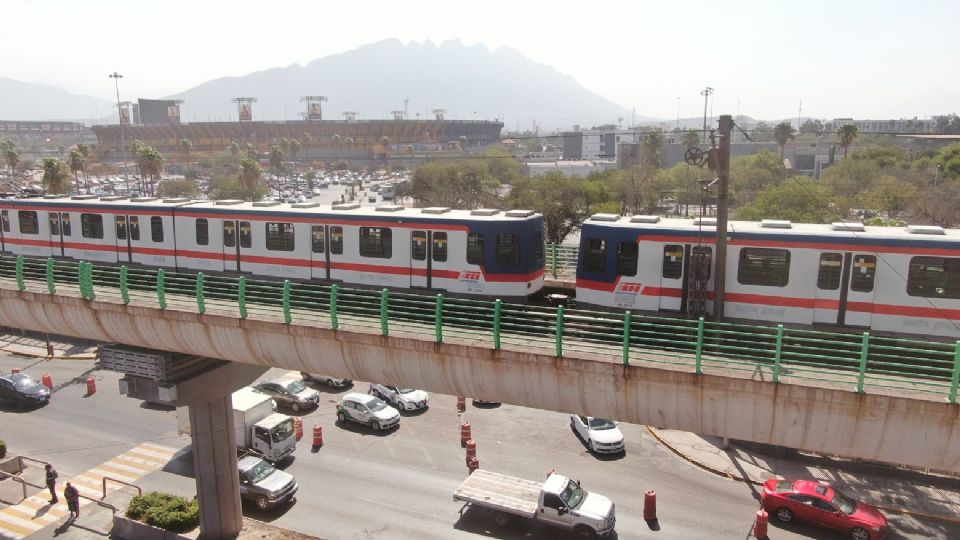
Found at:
<point>558,501</point>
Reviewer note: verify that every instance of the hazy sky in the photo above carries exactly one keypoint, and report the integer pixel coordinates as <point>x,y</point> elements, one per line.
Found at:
<point>865,59</point>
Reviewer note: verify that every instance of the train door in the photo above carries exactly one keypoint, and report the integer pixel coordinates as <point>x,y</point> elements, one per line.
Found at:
<point>697,280</point>
<point>319,252</point>
<point>127,228</point>
<point>671,277</point>
<point>845,283</point>
<point>59,227</point>
<point>231,245</point>
<point>428,258</point>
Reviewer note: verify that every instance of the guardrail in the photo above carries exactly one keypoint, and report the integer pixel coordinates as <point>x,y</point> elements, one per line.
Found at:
<point>858,361</point>
<point>562,260</point>
<point>114,480</point>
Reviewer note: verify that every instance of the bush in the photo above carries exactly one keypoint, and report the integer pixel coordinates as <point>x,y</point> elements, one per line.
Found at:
<point>166,511</point>
<point>3,449</point>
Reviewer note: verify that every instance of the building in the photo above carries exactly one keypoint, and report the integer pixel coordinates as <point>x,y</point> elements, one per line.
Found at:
<point>581,167</point>
<point>903,125</point>
<point>597,144</point>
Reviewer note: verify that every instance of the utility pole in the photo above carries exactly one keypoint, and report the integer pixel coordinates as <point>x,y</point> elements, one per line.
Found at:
<point>123,146</point>
<point>706,95</point>
<point>723,177</point>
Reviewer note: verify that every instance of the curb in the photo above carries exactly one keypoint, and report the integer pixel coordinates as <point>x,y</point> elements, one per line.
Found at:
<point>653,432</point>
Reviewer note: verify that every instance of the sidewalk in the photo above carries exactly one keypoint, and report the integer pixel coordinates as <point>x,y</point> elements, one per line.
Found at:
<point>901,491</point>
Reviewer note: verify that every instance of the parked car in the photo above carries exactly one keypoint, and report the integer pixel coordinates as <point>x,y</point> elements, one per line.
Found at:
<point>328,380</point>
<point>263,484</point>
<point>20,390</point>
<point>290,393</point>
<point>821,504</point>
<point>601,436</point>
<point>404,399</point>
<point>368,410</point>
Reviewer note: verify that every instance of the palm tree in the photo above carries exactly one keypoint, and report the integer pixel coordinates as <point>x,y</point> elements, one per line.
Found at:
<point>252,151</point>
<point>234,149</point>
<point>294,148</point>
<point>337,139</point>
<point>185,145</point>
<point>76,165</point>
<point>691,139</point>
<point>151,164</point>
<point>651,145</point>
<point>12,158</point>
<point>249,177</point>
<point>463,143</point>
<point>56,179</point>
<point>846,134</point>
<point>276,160</point>
<point>307,140</point>
<point>782,133</point>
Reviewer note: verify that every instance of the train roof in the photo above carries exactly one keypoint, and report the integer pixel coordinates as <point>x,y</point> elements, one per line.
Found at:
<point>777,227</point>
<point>275,208</point>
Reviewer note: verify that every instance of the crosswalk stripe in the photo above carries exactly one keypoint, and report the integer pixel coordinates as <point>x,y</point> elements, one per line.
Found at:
<point>120,475</point>
<point>163,451</point>
<point>11,524</point>
<point>126,467</point>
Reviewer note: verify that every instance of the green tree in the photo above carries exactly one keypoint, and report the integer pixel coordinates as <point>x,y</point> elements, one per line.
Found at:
<point>250,179</point>
<point>150,163</point>
<point>12,157</point>
<point>891,196</point>
<point>762,132</point>
<point>751,174</point>
<point>252,151</point>
<point>565,202</point>
<point>76,165</point>
<point>846,134</point>
<point>276,161</point>
<point>294,148</point>
<point>310,177</point>
<point>84,150</point>
<point>691,139</point>
<point>502,165</point>
<point>811,126</point>
<point>185,145</point>
<point>178,188</point>
<point>783,133</point>
<point>650,148</point>
<point>800,199</point>
<point>463,184</point>
<point>56,178</point>
<point>234,150</point>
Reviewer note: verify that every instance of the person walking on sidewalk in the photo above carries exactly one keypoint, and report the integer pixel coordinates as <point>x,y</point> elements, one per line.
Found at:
<point>72,496</point>
<point>52,483</point>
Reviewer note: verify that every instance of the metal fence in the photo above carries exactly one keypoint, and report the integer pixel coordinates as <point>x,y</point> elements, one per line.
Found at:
<point>562,261</point>
<point>859,362</point>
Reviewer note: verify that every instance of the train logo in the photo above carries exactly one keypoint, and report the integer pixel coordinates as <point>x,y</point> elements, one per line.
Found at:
<point>626,294</point>
<point>473,281</point>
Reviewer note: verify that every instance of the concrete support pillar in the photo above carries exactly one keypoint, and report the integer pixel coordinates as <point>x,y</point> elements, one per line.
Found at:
<point>215,468</point>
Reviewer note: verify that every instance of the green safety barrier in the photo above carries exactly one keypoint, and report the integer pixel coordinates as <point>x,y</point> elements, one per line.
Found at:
<point>790,355</point>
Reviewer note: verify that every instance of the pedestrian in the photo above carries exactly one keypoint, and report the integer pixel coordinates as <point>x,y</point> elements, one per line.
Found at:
<point>72,496</point>
<point>52,483</point>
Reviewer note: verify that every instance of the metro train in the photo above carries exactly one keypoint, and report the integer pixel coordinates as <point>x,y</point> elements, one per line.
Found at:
<point>469,252</point>
<point>902,280</point>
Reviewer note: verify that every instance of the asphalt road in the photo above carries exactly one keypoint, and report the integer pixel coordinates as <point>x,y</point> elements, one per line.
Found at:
<point>399,484</point>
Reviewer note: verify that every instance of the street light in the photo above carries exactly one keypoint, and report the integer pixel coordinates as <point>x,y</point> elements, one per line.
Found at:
<point>123,146</point>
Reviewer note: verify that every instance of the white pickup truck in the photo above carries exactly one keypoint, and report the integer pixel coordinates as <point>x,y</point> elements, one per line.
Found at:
<point>558,501</point>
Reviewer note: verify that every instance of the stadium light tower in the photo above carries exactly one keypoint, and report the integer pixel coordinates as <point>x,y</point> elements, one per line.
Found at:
<point>438,113</point>
<point>123,147</point>
<point>313,104</point>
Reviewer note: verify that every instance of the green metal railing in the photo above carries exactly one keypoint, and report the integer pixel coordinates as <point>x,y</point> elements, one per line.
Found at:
<point>859,362</point>
<point>561,260</point>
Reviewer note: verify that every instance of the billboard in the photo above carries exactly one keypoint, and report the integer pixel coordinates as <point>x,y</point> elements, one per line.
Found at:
<point>314,112</point>
<point>245,111</point>
<point>152,112</point>
<point>125,116</point>
<point>173,113</point>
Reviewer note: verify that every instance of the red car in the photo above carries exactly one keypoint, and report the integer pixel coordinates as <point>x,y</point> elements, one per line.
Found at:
<point>819,503</point>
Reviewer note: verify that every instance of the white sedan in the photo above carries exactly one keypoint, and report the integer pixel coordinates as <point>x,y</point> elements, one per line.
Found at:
<point>404,399</point>
<point>602,436</point>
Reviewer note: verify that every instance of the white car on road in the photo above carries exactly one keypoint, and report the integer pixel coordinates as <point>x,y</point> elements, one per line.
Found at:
<point>367,410</point>
<point>404,399</point>
<point>329,380</point>
<point>601,436</point>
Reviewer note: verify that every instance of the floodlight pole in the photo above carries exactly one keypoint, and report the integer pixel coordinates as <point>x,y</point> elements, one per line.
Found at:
<point>123,146</point>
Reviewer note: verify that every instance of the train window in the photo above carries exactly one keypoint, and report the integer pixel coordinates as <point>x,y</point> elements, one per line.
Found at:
<point>245,234</point>
<point>91,225</point>
<point>418,247</point>
<point>701,263</point>
<point>508,249</point>
<point>376,242</point>
<point>474,248</point>
<point>440,246</point>
<point>317,238</point>
<point>54,224</point>
<point>863,273</point>
<point>336,240</point>
<point>672,261</point>
<point>538,245</point>
<point>203,232</point>
<point>627,258</point>
<point>229,233</point>
<point>934,277</point>
<point>831,268</point>
<point>5,218</point>
<point>279,236</point>
<point>763,266</point>
<point>65,224</point>
<point>135,228</point>
<point>596,255</point>
<point>29,224</point>
<point>121,222</point>
<point>156,229</point>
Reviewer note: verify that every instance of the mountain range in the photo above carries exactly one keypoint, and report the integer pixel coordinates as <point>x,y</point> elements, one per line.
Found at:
<point>469,82</point>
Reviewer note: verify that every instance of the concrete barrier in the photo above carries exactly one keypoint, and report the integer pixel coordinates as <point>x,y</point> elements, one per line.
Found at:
<point>131,529</point>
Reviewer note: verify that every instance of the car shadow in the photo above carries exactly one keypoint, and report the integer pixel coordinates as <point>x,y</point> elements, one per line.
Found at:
<point>364,429</point>
<point>486,405</point>
<point>480,521</point>
<point>808,530</point>
<point>251,510</point>
<point>324,389</point>
<point>415,412</point>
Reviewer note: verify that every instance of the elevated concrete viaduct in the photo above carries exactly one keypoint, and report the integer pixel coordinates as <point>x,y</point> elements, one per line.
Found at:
<point>897,429</point>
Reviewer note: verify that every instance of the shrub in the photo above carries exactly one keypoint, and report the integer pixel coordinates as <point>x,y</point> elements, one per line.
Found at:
<point>166,511</point>
<point>3,449</point>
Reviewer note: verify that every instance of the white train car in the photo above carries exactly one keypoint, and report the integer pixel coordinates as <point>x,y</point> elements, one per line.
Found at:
<point>478,252</point>
<point>893,279</point>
